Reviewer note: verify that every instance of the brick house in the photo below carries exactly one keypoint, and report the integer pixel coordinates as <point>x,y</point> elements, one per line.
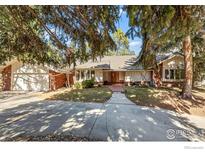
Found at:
<point>16,76</point>
<point>123,69</point>
<point>107,70</point>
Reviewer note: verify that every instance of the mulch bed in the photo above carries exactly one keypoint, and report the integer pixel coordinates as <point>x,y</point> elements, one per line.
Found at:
<point>49,138</point>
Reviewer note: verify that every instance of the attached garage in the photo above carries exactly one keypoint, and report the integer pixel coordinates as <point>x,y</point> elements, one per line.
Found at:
<point>19,77</point>
<point>30,78</point>
<point>31,82</point>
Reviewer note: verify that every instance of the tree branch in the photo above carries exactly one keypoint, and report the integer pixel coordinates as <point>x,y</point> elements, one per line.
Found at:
<point>59,43</point>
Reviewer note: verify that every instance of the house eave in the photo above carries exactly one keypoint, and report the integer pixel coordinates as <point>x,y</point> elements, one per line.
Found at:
<point>169,59</point>
<point>115,70</point>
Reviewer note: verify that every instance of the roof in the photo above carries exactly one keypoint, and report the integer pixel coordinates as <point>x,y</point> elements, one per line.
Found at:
<point>163,57</point>
<point>7,63</point>
<point>49,67</point>
<point>123,62</point>
<point>113,63</point>
<point>110,63</point>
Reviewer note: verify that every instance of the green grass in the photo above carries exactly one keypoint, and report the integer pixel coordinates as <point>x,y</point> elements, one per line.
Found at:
<point>98,94</point>
<point>167,98</point>
<point>151,97</point>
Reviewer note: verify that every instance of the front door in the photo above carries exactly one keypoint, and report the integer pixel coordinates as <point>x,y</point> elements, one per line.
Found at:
<point>115,77</point>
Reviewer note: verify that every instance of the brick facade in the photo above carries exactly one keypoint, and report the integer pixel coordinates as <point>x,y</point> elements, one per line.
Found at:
<point>56,80</point>
<point>6,78</point>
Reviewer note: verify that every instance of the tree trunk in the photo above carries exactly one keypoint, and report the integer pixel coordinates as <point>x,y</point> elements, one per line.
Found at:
<point>157,76</point>
<point>157,79</point>
<point>188,67</point>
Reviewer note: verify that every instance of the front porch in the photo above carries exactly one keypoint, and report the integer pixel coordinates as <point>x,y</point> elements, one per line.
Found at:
<point>119,87</point>
<point>110,77</point>
<point>113,77</point>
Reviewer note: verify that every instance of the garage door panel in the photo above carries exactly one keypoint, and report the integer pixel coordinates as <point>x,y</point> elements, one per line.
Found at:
<point>31,82</point>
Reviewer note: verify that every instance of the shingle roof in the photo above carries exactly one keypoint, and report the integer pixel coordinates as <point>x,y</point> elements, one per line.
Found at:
<point>163,57</point>
<point>122,62</point>
<point>113,63</point>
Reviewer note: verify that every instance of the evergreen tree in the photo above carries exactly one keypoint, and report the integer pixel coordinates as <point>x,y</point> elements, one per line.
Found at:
<point>122,44</point>
<point>160,26</point>
<point>41,34</point>
<point>198,47</point>
<point>121,41</point>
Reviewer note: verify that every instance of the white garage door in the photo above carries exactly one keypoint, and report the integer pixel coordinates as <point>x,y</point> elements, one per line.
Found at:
<point>31,81</point>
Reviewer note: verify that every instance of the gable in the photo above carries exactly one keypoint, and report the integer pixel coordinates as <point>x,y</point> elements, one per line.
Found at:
<point>20,68</point>
<point>12,62</point>
<point>174,62</point>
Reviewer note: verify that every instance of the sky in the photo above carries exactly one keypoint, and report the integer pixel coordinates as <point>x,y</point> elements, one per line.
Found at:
<point>123,24</point>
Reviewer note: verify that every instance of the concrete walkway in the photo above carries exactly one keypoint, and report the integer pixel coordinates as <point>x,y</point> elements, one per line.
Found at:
<point>117,120</point>
<point>116,87</point>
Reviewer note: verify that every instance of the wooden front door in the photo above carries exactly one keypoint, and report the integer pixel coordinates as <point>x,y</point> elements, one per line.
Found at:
<point>115,77</point>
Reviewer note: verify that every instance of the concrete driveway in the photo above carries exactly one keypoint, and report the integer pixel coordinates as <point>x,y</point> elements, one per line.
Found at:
<point>11,99</point>
<point>117,120</point>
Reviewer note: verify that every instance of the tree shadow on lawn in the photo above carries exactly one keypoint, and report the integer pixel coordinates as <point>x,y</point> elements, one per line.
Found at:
<point>198,100</point>
<point>78,119</point>
<point>165,98</point>
<point>99,95</point>
<point>200,89</point>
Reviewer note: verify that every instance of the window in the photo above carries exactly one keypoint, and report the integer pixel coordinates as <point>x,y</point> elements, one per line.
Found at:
<point>166,74</point>
<point>92,74</point>
<point>87,74</point>
<point>77,75</point>
<point>171,74</point>
<point>82,75</point>
<point>177,74</point>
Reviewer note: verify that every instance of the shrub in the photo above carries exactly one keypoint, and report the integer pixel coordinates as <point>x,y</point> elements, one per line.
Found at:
<point>78,85</point>
<point>88,83</point>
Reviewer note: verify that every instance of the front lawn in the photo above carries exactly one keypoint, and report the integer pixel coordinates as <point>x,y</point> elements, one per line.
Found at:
<point>98,94</point>
<point>167,98</point>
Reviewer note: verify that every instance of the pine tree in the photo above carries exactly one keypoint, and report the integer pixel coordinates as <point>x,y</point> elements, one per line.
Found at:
<point>121,41</point>
<point>122,44</point>
<point>41,34</point>
<point>160,26</point>
<point>198,47</point>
